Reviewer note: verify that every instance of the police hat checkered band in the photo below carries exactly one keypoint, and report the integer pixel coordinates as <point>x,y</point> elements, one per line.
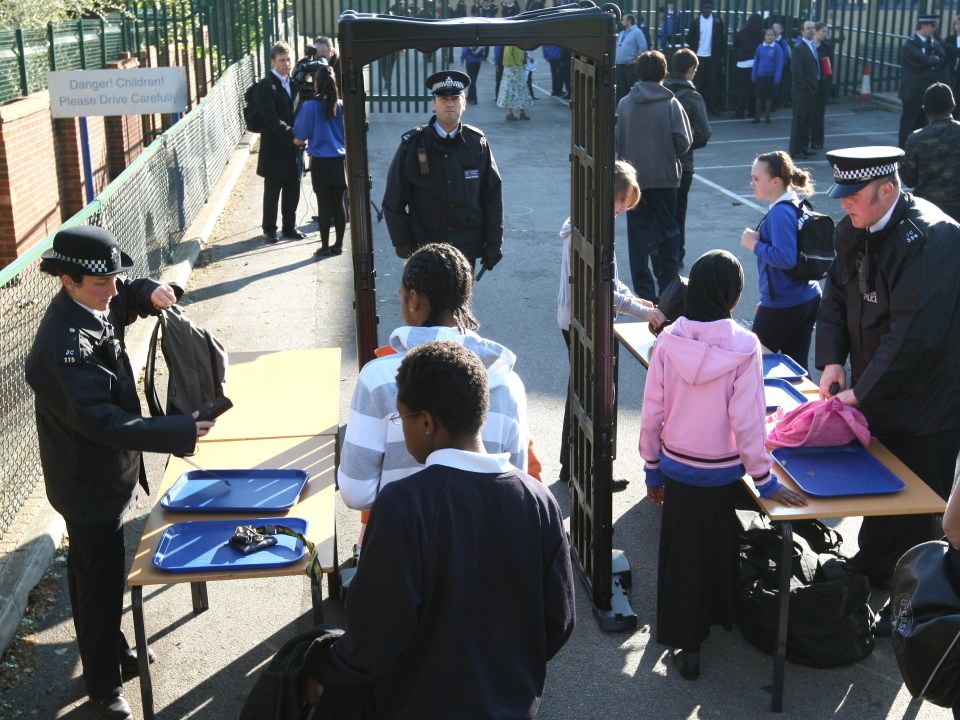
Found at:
<point>863,174</point>
<point>928,20</point>
<point>95,267</point>
<point>448,84</point>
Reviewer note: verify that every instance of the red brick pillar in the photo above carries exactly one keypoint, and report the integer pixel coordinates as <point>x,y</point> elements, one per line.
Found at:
<point>73,195</point>
<point>29,198</point>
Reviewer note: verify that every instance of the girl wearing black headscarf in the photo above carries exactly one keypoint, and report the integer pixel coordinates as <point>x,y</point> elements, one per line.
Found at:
<point>702,429</point>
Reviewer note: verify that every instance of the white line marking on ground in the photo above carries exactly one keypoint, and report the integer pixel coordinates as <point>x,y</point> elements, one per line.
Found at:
<point>730,193</point>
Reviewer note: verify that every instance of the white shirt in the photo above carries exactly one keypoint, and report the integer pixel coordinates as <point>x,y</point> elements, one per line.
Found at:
<point>882,222</point>
<point>284,80</point>
<point>706,36</point>
<point>443,133</point>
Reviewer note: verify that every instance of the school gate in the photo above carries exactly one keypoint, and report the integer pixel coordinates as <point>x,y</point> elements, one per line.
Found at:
<point>589,33</point>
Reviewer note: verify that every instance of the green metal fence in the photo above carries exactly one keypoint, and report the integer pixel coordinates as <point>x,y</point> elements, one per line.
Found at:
<point>864,32</point>
<point>148,207</point>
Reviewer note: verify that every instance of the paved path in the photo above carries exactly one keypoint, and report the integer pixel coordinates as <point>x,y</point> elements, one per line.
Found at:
<point>257,297</point>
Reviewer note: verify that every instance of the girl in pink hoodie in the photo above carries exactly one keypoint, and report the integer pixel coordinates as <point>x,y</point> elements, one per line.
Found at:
<point>701,429</point>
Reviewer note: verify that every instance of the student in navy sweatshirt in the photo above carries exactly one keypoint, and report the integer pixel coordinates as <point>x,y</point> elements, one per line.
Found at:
<point>768,65</point>
<point>788,308</point>
<point>464,590</point>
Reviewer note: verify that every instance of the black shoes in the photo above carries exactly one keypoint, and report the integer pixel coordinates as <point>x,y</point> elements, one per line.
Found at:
<point>292,234</point>
<point>322,251</point>
<point>129,668</point>
<point>618,483</point>
<point>112,708</point>
<point>336,248</point>
<point>270,237</point>
<point>688,663</point>
<point>755,121</point>
<point>816,147</point>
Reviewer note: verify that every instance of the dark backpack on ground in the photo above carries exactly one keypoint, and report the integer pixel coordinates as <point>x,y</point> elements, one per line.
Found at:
<point>196,365</point>
<point>251,114</point>
<point>276,693</point>
<point>830,622</point>
<point>815,247</point>
<point>925,602</point>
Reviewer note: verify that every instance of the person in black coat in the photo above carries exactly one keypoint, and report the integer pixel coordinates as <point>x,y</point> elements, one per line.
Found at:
<point>824,86</point>
<point>745,43</point>
<point>280,161</point>
<point>806,81</point>
<point>91,435</point>
<point>951,47</point>
<point>712,56</point>
<point>922,58</point>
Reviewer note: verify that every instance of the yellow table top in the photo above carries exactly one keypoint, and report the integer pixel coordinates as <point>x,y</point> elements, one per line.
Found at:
<point>637,338</point>
<point>286,393</point>
<point>915,498</point>
<point>315,455</point>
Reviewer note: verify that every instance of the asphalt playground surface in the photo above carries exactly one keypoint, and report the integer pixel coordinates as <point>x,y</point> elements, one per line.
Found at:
<point>258,297</point>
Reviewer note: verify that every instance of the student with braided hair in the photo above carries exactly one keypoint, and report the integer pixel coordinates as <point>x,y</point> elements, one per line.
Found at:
<point>435,295</point>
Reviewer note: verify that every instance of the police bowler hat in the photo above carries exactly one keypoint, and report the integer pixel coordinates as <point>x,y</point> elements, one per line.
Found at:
<point>448,82</point>
<point>92,249</point>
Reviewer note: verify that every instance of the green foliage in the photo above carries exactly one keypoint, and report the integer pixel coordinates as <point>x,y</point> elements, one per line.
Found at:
<point>35,14</point>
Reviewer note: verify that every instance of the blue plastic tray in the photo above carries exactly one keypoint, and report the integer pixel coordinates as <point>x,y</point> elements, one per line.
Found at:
<point>780,393</point>
<point>837,471</point>
<point>783,367</point>
<point>235,491</point>
<point>199,545</point>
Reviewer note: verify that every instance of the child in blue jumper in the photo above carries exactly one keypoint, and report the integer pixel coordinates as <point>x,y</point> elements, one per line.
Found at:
<point>768,65</point>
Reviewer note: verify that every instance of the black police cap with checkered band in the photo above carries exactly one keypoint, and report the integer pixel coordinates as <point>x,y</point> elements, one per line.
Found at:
<point>94,250</point>
<point>448,82</point>
<point>854,168</point>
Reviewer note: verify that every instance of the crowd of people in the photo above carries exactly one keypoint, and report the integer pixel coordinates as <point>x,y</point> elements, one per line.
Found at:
<point>477,534</point>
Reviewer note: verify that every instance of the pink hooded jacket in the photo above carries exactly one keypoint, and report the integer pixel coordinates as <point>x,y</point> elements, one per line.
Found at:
<point>703,403</point>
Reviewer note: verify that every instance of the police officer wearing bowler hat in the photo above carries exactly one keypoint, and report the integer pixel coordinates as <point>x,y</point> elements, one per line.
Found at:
<point>443,184</point>
<point>922,58</point>
<point>91,434</point>
<point>891,305</point>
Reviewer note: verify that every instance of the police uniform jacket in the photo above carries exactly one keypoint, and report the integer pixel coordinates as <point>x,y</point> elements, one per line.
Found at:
<point>903,335</point>
<point>278,157</point>
<point>89,424</point>
<point>457,198</point>
<point>920,65</point>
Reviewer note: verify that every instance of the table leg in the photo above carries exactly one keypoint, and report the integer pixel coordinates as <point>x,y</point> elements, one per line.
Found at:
<point>198,590</point>
<point>783,615</point>
<point>143,662</point>
<point>316,594</point>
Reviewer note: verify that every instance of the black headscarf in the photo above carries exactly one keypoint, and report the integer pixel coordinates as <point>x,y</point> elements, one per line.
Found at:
<point>716,281</point>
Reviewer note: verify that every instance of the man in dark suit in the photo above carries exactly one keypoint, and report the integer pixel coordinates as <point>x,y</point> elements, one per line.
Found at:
<point>806,79</point>
<point>279,162</point>
<point>921,59</point>
<point>707,37</point>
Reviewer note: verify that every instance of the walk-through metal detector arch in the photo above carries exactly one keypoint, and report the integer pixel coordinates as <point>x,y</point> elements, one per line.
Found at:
<point>589,32</point>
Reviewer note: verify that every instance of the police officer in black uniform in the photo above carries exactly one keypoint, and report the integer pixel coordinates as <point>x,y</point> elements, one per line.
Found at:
<point>922,59</point>
<point>91,434</point>
<point>892,305</point>
<point>443,184</point>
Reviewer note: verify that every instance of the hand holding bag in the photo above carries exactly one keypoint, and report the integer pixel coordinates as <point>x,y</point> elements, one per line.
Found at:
<point>818,423</point>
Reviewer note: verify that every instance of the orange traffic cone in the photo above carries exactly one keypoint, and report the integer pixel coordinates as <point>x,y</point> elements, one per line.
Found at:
<point>865,92</point>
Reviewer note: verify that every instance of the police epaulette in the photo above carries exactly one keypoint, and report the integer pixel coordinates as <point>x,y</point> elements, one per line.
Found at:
<point>409,134</point>
<point>473,129</point>
<point>908,231</point>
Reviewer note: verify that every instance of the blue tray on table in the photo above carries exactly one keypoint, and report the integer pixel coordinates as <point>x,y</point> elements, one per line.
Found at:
<point>199,545</point>
<point>837,471</point>
<point>255,490</point>
<point>781,393</point>
<point>781,367</point>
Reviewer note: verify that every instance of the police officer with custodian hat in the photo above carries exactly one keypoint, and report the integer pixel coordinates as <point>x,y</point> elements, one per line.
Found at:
<point>91,434</point>
<point>443,184</point>
<point>891,304</point>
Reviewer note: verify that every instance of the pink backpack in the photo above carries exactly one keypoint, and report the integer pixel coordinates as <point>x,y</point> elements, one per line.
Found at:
<point>817,423</point>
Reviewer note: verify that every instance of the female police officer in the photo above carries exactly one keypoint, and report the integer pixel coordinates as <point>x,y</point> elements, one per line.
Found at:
<point>91,434</point>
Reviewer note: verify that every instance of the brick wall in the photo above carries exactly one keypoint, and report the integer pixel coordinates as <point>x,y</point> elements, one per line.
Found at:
<point>29,198</point>
<point>73,196</point>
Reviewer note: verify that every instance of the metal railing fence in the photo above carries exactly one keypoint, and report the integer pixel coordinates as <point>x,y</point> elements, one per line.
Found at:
<point>863,33</point>
<point>148,207</point>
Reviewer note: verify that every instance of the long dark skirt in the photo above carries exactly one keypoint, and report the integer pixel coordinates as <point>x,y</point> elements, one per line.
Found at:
<point>699,568</point>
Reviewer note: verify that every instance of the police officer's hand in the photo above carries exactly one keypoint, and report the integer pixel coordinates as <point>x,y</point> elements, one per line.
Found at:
<point>491,256</point>
<point>163,297</point>
<point>832,373</point>
<point>203,426</point>
<point>404,250</point>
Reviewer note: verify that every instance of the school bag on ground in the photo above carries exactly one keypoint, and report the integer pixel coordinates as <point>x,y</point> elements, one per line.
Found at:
<point>815,247</point>
<point>925,606</point>
<point>196,365</point>
<point>830,622</point>
<point>276,693</point>
<point>251,115</point>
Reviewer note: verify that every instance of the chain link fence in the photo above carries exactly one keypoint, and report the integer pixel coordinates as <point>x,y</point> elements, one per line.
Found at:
<point>148,207</point>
